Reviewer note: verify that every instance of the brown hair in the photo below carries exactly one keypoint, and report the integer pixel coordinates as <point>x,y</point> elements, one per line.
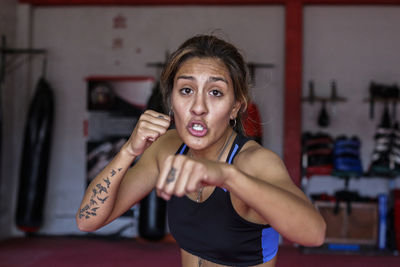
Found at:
<point>209,46</point>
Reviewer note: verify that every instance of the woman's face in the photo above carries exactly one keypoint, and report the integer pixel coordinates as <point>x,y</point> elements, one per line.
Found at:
<point>203,102</point>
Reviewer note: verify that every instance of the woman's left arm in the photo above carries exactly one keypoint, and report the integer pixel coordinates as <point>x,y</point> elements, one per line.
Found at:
<point>260,180</point>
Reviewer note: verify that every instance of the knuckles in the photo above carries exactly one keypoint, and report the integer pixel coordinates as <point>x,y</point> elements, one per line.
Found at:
<point>191,187</point>
<point>197,174</point>
<point>142,123</point>
<point>180,192</point>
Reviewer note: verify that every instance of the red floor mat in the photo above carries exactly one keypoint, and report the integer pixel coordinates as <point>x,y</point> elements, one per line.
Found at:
<point>74,251</point>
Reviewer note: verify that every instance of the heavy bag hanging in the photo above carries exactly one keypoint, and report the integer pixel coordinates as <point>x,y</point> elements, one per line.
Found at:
<point>35,159</point>
<point>152,212</point>
<point>152,217</point>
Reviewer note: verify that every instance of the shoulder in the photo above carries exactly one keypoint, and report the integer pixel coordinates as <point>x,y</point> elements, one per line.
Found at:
<point>252,153</point>
<point>257,161</point>
<point>165,145</point>
<point>170,140</point>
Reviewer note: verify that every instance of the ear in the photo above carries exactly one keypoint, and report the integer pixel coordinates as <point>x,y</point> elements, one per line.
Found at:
<point>235,109</point>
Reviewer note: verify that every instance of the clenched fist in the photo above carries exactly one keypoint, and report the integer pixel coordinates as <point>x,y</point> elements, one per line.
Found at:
<point>150,126</point>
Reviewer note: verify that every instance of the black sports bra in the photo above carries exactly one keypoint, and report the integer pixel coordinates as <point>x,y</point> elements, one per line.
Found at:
<point>214,231</point>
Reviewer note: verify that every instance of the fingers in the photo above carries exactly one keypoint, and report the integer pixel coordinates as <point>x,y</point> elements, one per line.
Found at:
<point>153,124</point>
<point>198,174</point>
<point>174,177</point>
<point>180,188</point>
<point>150,126</point>
<point>164,174</point>
<point>158,118</point>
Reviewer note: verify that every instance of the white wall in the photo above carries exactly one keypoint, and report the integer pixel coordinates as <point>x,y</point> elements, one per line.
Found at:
<point>79,41</point>
<point>353,45</point>
<point>8,20</point>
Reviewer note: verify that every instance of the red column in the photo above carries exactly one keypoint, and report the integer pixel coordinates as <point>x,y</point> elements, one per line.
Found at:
<point>293,85</point>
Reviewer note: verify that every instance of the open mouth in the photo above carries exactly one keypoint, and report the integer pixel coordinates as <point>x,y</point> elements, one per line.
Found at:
<point>197,128</point>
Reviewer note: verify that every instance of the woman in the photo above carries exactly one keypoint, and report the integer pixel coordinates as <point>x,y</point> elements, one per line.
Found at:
<point>228,197</point>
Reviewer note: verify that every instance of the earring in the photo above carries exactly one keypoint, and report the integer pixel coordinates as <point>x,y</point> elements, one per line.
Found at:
<point>234,123</point>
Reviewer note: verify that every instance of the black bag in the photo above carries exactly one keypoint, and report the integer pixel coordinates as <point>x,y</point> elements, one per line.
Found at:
<point>35,159</point>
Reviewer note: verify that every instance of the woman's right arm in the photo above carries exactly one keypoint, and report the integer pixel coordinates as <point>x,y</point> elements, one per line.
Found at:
<point>110,194</point>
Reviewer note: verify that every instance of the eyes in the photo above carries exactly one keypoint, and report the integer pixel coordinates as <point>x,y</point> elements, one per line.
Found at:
<point>189,91</point>
<point>215,92</point>
<point>186,91</point>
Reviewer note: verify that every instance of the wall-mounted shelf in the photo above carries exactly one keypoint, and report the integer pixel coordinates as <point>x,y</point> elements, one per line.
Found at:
<point>323,99</point>
<point>333,98</point>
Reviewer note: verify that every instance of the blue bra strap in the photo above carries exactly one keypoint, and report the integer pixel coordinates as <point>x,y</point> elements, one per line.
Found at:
<point>182,150</point>
<point>235,149</point>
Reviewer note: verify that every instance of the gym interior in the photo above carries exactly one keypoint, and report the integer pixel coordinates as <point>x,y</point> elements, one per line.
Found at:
<point>324,75</point>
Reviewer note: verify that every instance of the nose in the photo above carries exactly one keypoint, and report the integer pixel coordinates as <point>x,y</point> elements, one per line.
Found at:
<point>199,106</point>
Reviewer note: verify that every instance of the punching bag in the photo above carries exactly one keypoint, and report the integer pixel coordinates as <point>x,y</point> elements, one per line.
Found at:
<point>35,159</point>
<point>152,212</point>
<point>152,217</point>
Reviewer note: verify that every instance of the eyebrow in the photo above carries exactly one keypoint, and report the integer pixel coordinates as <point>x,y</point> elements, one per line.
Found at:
<point>185,77</point>
<point>217,79</point>
<point>211,79</point>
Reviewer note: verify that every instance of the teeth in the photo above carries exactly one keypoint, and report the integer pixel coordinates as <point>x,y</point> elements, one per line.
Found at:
<point>197,127</point>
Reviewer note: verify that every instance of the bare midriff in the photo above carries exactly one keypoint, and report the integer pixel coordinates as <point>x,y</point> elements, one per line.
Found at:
<point>189,260</point>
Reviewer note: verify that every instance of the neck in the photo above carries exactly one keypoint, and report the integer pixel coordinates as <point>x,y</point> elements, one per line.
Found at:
<point>217,150</point>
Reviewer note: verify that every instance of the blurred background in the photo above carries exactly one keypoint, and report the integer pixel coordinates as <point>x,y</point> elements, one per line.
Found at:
<point>325,77</point>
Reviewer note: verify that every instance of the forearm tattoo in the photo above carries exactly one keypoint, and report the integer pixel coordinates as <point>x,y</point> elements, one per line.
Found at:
<point>99,196</point>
